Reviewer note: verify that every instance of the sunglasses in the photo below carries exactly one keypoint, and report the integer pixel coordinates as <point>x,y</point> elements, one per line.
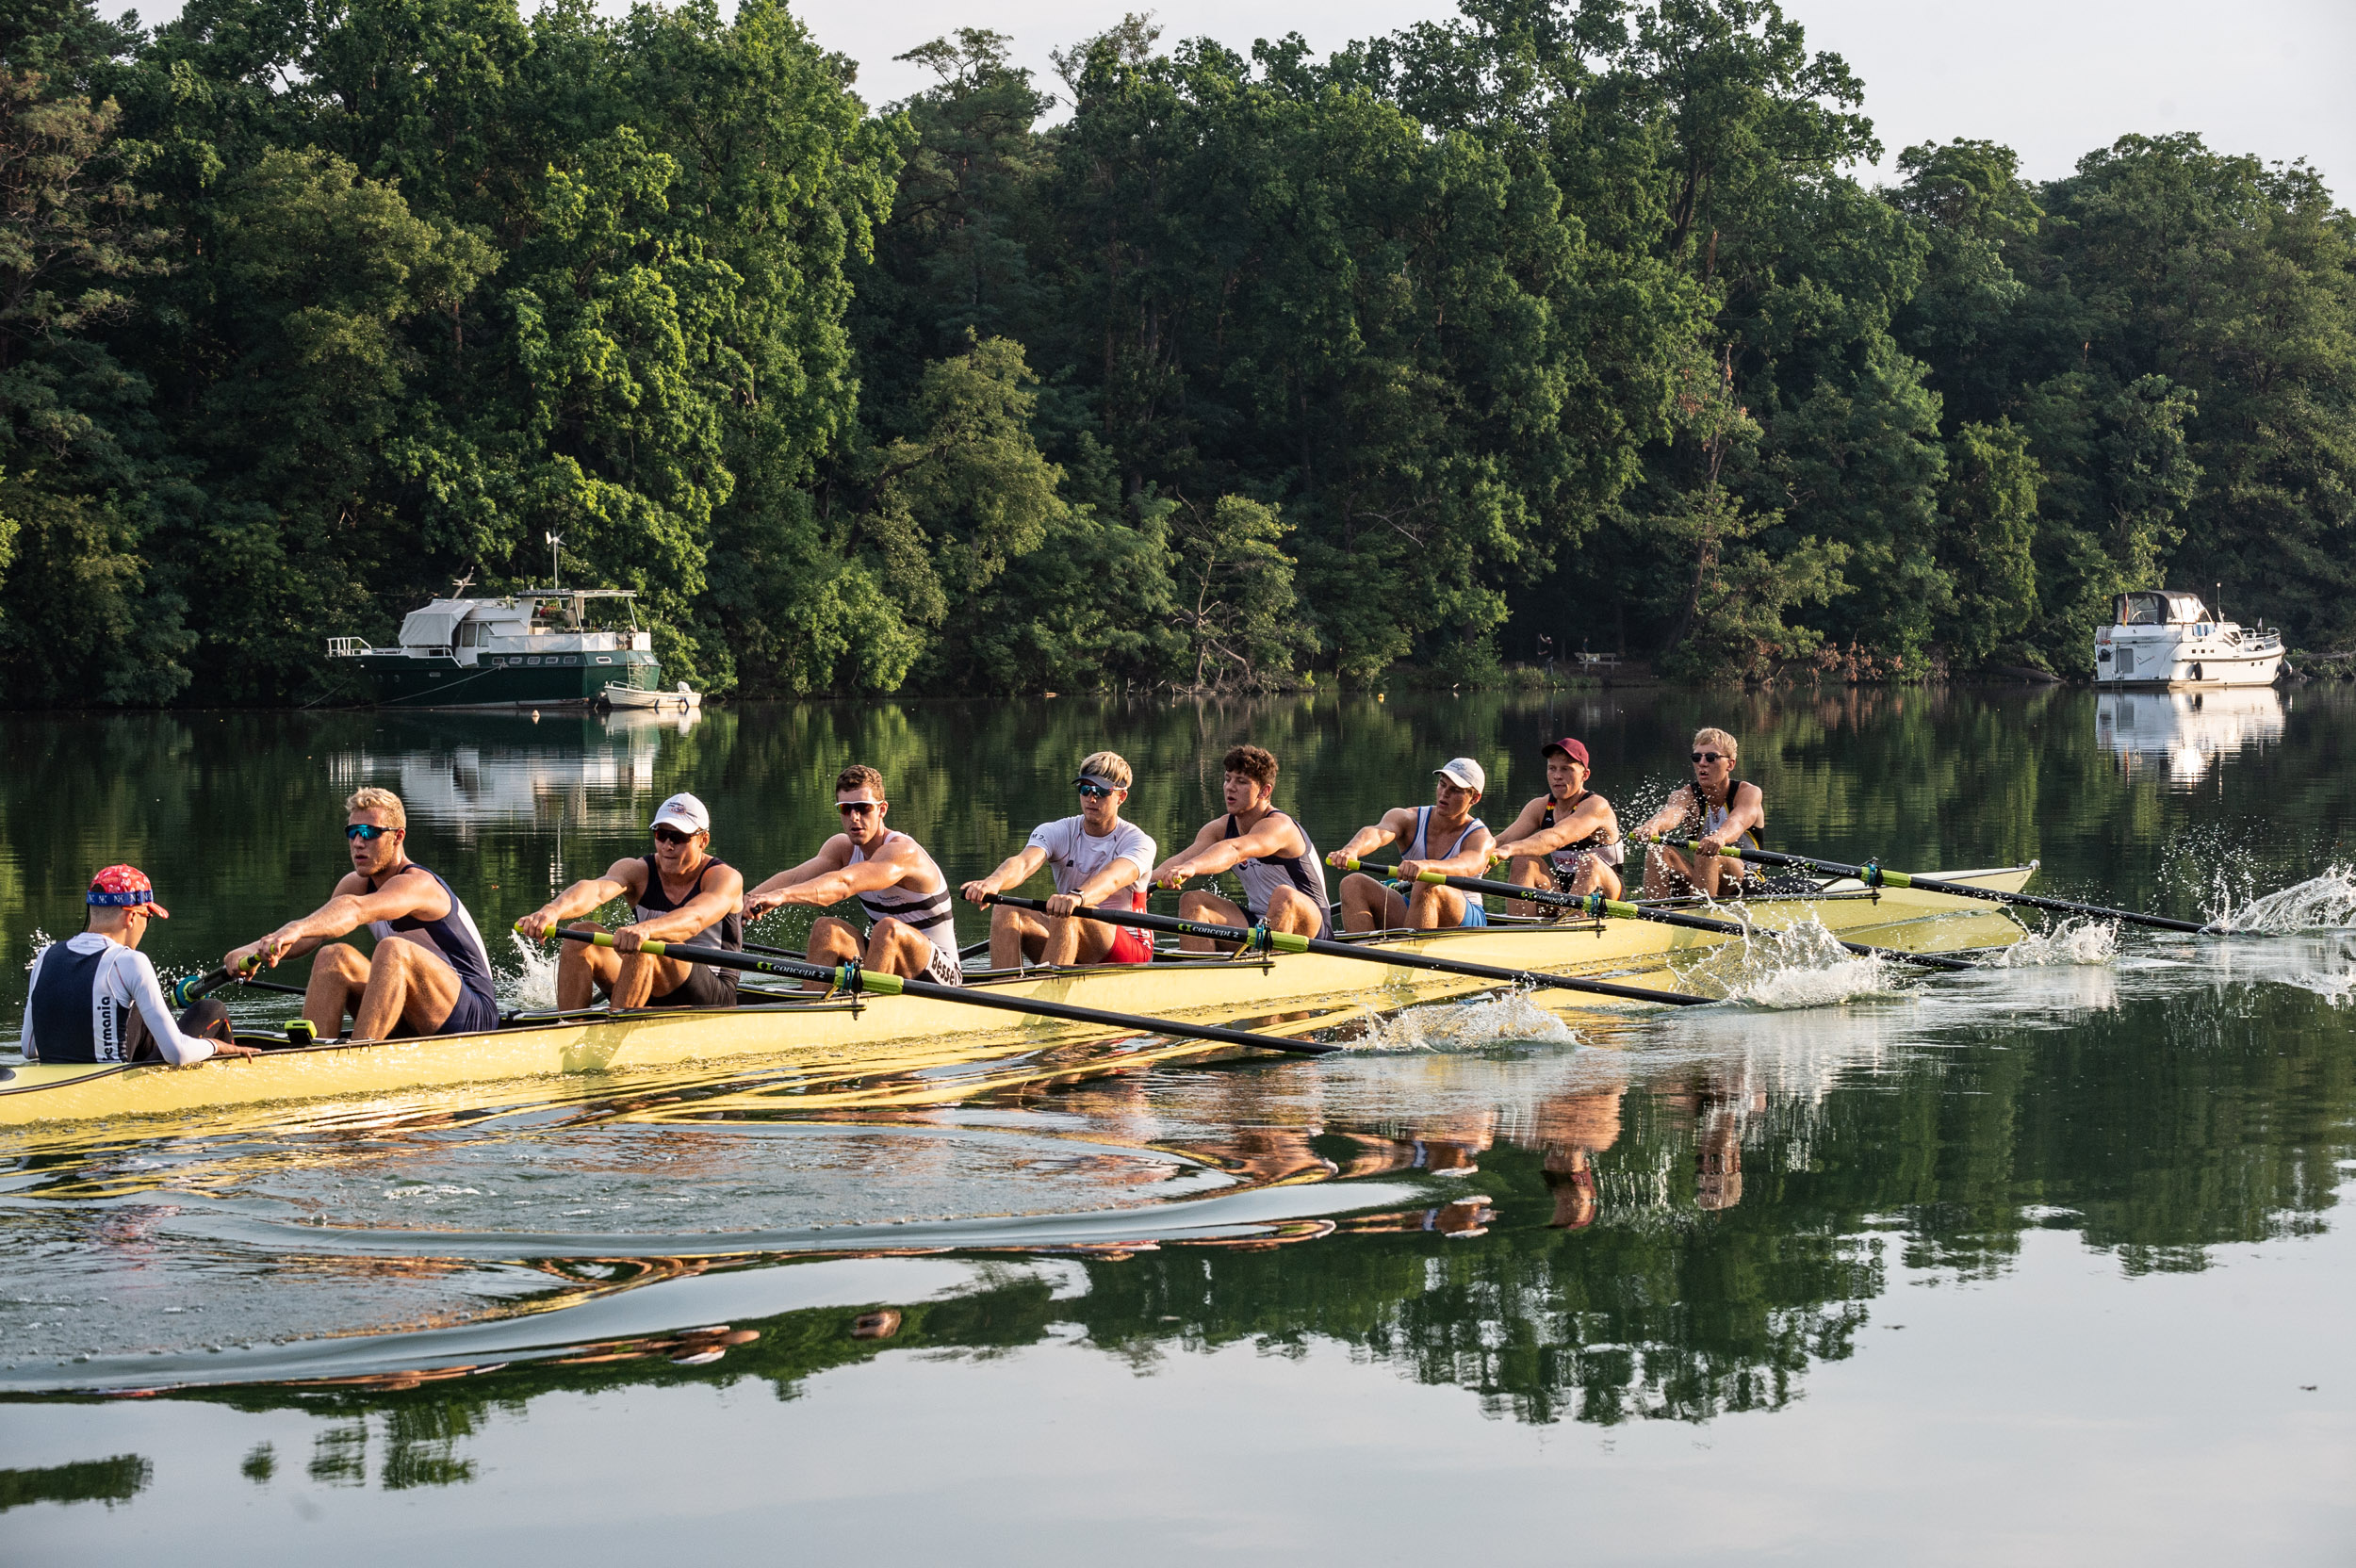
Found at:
<point>1095,791</point>
<point>669,836</point>
<point>858,808</point>
<point>367,831</point>
<point>1705,756</point>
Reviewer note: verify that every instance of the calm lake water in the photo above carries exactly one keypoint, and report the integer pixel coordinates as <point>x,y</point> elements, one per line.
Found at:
<point>2039,1264</point>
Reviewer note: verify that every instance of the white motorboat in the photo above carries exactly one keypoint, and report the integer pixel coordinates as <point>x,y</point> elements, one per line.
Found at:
<point>2171,639</point>
<point>633,696</point>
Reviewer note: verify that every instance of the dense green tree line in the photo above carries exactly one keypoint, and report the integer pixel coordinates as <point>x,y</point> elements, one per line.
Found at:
<point>1559,321</point>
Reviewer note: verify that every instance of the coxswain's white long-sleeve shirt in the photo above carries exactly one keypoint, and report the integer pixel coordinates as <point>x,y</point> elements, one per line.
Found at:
<point>115,988</point>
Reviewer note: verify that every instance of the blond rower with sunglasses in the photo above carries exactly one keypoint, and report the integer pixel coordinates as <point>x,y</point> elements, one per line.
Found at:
<point>912,930</point>
<point>679,893</point>
<point>1716,809</point>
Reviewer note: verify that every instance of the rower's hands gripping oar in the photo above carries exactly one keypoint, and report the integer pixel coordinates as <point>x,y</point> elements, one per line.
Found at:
<point>857,978</point>
<point>1596,906</point>
<point>1873,875</point>
<point>190,988</point>
<point>1261,937</point>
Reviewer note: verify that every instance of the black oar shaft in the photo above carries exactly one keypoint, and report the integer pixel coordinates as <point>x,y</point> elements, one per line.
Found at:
<point>1287,941</point>
<point>1873,875</point>
<point>1617,910</point>
<point>853,977</point>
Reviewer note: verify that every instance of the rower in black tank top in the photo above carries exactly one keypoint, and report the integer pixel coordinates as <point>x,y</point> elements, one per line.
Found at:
<point>704,987</point>
<point>1262,875</point>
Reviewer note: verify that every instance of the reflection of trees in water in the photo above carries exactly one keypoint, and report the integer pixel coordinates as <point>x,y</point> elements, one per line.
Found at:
<point>96,1480</point>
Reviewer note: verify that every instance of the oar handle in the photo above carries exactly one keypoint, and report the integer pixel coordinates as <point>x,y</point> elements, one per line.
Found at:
<point>1256,937</point>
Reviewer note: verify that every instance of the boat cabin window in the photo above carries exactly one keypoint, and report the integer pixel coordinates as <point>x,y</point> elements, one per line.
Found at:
<point>2160,610</point>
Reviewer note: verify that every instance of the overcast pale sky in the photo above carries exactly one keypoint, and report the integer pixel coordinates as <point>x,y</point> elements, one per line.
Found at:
<point>2052,80</point>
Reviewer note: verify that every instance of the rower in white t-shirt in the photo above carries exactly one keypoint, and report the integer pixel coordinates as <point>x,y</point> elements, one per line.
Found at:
<point>94,997</point>
<point>1096,859</point>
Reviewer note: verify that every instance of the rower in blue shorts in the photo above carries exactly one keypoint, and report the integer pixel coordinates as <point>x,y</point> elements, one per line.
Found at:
<point>1444,836</point>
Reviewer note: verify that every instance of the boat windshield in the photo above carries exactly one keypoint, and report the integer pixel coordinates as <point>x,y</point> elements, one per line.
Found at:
<point>2160,610</point>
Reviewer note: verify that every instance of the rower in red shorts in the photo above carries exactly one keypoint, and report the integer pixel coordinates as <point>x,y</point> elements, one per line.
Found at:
<point>1096,859</point>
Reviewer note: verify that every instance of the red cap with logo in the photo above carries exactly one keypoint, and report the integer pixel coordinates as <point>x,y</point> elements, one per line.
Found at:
<point>1574,750</point>
<point>120,886</point>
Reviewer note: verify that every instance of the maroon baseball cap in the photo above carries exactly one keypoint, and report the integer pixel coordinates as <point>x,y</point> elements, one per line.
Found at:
<point>1574,750</point>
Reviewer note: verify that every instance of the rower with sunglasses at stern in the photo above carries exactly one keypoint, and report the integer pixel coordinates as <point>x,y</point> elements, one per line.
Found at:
<point>912,929</point>
<point>429,974</point>
<point>1096,859</point>
<point>679,893</point>
<point>1715,808</point>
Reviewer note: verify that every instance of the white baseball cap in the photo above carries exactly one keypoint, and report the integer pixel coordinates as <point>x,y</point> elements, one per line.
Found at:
<point>1467,772</point>
<point>684,812</point>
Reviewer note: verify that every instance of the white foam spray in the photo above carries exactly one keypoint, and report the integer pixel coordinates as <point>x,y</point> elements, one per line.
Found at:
<point>1466,1025</point>
<point>2320,903</point>
<point>2071,942</point>
<point>1798,966</point>
<point>41,943</point>
<point>533,985</point>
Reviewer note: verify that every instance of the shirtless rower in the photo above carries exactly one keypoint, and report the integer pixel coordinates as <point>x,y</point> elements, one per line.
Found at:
<point>429,974</point>
<point>1444,836</point>
<point>1715,808</point>
<point>1567,839</point>
<point>679,893</point>
<point>1284,881</point>
<point>912,928</point>
<point>95,996</point>
<point>1096,859</point>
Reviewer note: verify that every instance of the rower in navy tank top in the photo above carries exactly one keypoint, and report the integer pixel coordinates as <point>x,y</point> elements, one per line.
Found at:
<point>1270,854</point>
<point>1444,836</point>
<point>429,974</point>
<point>1713,808</point>
<point>679,893</point>
<point>1569,838</point>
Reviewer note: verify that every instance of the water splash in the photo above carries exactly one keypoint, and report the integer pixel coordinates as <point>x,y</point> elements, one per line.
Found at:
<point>41,943</point>
<point>1799,966</point>
<point>2320,903</point>
<point>532,987</point>
<point>1467,1025</point>
<point>2072,941</point>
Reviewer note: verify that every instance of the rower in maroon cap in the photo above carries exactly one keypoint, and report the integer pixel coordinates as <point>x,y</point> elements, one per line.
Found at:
<point>1567,839</point>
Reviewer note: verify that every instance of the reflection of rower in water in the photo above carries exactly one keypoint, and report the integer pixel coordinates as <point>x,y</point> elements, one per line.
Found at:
<point>429,974</point>
<point>679,893</point>
<point>1283,882</point>
<point>1715,808</point>
<point>94,997</point>
<point>1717,1105</point>
<point>912,928</point>
<point>1569,838</point>
<point>1444,836</point>
<point>1572,1129</point>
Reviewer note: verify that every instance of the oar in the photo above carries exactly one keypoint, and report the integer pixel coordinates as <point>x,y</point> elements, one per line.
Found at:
<point>191,987</point>
<point>967,951</point>
<point>856,978</point>
<point>1873,875</point>
<point>1599,908</point>
<point>1287,941</point>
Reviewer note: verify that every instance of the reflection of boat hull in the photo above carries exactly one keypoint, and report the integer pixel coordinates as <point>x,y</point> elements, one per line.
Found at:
<point>635,697</point>
<point>2196,674</point>
<point>505,681</point>
<point>2186,733</point>
<point>1290,994</point>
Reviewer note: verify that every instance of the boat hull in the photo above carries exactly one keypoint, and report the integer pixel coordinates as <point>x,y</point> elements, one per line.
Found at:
<point>506,680</point>
<point>1287,994</point>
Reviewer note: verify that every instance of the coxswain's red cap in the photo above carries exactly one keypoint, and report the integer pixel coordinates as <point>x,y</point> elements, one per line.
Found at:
<point>1574,750</point>
<point>119,887</point>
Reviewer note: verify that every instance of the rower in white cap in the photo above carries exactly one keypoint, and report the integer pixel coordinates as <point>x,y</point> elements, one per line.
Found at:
<point>1444,836</point>
<point>679,893</point>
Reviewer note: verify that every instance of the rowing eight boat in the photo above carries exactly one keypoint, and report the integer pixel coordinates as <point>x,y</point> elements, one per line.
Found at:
<point>1290,994</point>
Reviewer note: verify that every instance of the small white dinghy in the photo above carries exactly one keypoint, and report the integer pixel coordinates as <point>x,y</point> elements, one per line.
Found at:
<point>618,695</point>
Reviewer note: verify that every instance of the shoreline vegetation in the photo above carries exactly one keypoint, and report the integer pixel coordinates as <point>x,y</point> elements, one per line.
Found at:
<point>1431,362</point>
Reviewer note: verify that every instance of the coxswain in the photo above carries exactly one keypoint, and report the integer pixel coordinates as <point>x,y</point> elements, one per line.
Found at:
<point>1716,809</point>
<point>1444,836</point>
<point>95,996</point>
<point>912,928</point>
<point>1096,859</point>
<point>681,893</point>
<point>1284,881</point>
<point>1567,839</point>
<point>429,974</point>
